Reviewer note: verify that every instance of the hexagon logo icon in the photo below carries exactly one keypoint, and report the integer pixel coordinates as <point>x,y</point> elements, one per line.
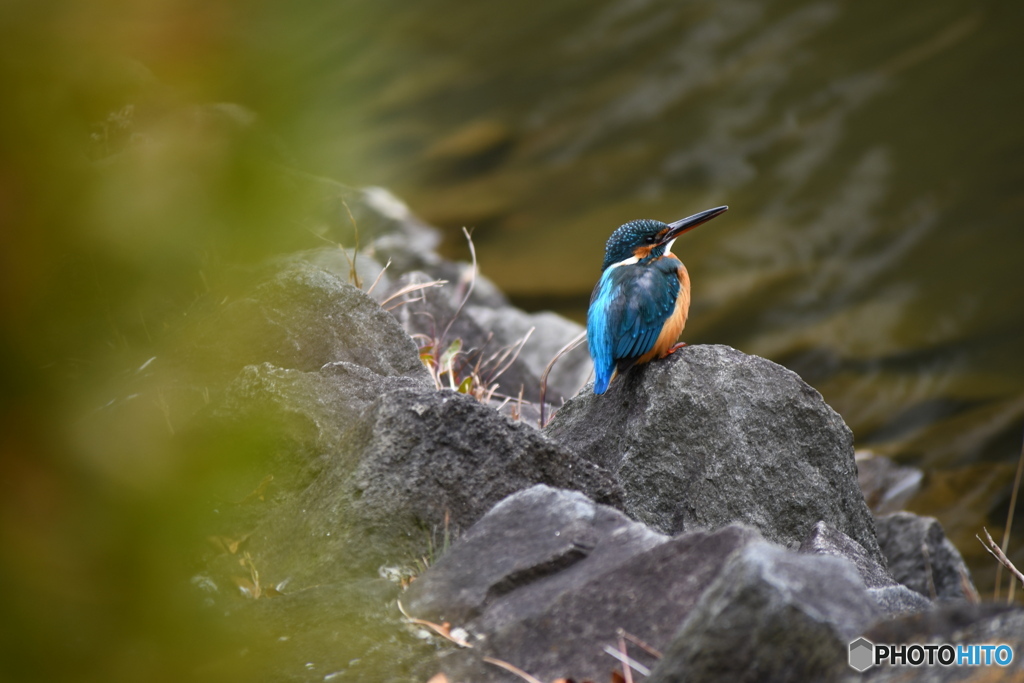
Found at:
<point>862,654</point>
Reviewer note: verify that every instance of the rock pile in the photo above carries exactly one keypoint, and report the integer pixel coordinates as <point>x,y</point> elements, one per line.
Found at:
<point>702,518</point>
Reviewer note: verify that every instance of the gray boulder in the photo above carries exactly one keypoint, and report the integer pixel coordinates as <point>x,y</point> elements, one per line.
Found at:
<point>340,263</point>
<point>524,540</point>
<point>771,616</point>
<point>434,456</point>
<point>922,558</point>
<point>711,436</point>
<point>547,578</point>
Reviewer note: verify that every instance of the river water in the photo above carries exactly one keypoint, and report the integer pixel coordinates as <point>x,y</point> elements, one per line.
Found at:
<point>870,153</point>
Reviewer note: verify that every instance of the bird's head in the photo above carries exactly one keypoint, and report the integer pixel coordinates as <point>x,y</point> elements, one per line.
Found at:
<point>648,239</point>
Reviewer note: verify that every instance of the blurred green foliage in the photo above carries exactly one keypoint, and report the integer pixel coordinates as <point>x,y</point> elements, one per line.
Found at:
<point>128,176</point>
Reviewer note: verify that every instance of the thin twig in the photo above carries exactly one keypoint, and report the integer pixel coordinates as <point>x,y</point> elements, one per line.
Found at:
<point>379,276</point>
<point>627,663</point>
<point>544,377</point>
<point>472,284</point>
<point>414,288</point>
<point>968,589</point>
<point>405,302</point>
<point>1009,525</point>
<point>997,552</point>
<point>443,630</point>
<point>639,643</point>
<point>355,251</point>
<point>516,348</point>
<point>627,670</point>
<point>514,669</point>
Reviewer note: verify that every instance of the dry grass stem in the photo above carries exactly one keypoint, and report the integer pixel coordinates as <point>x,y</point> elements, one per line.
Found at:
<point>627,670</point>
<point>995,551</point>
<point>413,288</point>
<point>969,591</point>
<point>514,350</point>
<point>628,663</point>
<point>355,251</point>
<point>514,669</point>
<point>639,643</point>
<point>443,630</point>
<point>1009,526</point>
<point>379,276</point>
<point>472,284</point>
<point>544,377</point>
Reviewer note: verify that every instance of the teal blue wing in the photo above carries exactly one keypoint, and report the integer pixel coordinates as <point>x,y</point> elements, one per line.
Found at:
<point>629,307</point>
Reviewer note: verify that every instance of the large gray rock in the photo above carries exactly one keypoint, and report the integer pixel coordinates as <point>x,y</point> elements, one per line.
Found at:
<point>545,580</point>
<point>711,436</point>
<point>443,455</point>
<point>772,616</point>
<point>922,558</point>
<point>517,546</point>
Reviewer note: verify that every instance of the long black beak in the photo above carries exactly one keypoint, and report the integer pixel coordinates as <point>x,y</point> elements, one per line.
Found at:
<point>689,223</point>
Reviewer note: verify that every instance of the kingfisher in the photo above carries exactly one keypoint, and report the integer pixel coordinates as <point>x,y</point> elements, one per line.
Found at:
<point>640,304</point>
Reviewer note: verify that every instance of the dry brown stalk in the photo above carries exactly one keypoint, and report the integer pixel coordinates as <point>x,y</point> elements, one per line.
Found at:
<point>514,669</point>
<point>995,551</point>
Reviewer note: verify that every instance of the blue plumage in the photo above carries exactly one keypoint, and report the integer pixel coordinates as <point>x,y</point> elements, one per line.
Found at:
<point>640,303</point>
<point>628,309</point>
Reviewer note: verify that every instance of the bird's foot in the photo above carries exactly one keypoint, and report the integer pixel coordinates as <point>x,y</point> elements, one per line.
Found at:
<point>674,348</point>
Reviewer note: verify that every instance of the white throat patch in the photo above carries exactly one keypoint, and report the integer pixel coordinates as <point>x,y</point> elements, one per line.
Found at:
<point>625,262</point>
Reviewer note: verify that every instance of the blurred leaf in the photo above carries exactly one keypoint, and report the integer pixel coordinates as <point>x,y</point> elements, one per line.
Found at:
<point>449,355</point>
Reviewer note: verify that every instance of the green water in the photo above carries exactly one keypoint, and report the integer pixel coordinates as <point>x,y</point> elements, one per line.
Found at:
<point>870,152</point>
